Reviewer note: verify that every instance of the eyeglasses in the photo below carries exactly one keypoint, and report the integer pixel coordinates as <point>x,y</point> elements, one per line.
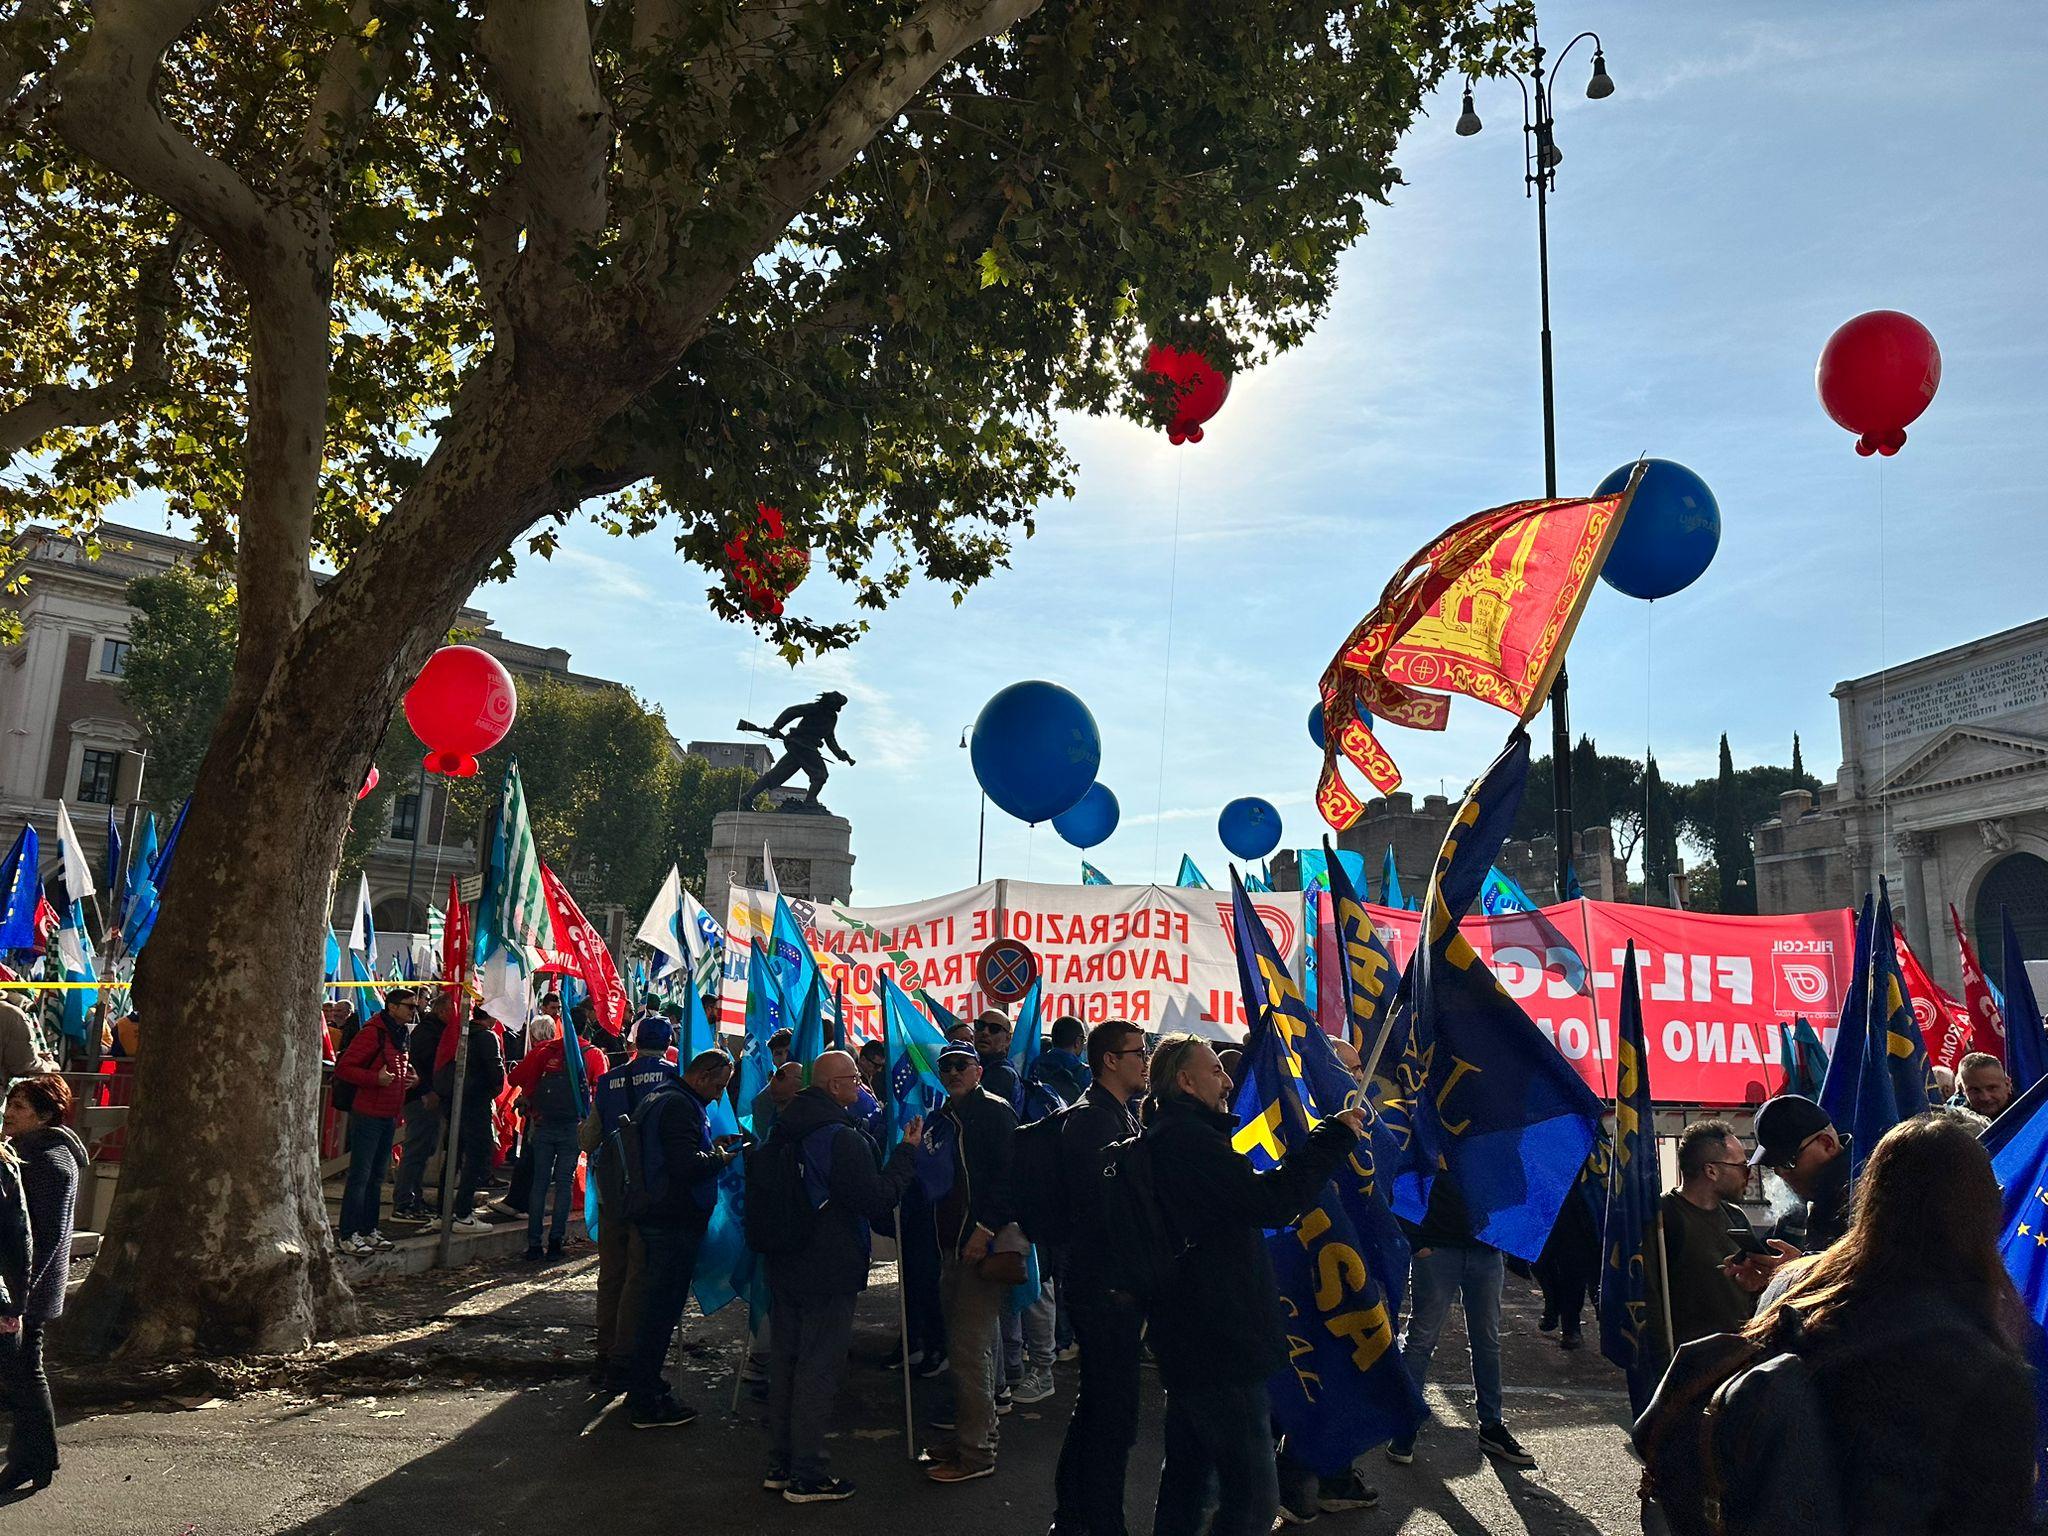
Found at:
<point>1131,1050</point>
<point>1777,1165</point>
<point>946,1069</point>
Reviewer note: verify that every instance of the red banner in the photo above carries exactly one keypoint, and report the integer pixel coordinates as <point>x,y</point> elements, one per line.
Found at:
<point>1944,1022</point>
<point>574,934</point>
<point>1716,991</point>
<point>1987,1024</point>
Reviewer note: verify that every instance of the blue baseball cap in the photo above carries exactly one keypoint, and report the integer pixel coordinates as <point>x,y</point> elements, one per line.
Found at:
<point>654,1033</point>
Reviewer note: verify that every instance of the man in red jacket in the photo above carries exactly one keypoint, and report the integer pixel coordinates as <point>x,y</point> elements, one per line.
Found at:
<point>553,1114</point>
<point>375,1066</point>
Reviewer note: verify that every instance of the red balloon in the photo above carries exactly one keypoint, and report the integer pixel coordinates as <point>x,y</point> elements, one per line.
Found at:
<point>369,783</point>
<point>763,564</point>
<point>462,703</point>
<point>1876,375</point>
<point>1198,389</point>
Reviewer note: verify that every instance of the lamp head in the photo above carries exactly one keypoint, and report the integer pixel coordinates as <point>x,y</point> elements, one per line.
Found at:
<point>1468,120</point>
<point>1601,86</point>
<point>1549,157</point>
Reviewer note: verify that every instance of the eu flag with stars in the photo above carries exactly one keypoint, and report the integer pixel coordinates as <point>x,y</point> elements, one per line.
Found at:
<point>1344,1388</point>
<point>1512,1120</point>
<point>2026,1042</point>
<point>1626,1336</point>
<point>911,1070</point>
<point>2019,1159</point>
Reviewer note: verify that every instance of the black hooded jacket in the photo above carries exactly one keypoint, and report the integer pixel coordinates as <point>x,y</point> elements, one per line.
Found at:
<point>834,1259</point>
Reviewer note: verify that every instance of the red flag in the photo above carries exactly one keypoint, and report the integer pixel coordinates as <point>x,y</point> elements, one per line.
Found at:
<point>454,969</point>
<point>575,937</point>
<point>1944,1022</point>
<point>1987,1025</point>
<point>47,922</point>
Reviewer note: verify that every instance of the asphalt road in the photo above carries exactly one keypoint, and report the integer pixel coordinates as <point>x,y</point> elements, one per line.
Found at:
<point>465,1413</point>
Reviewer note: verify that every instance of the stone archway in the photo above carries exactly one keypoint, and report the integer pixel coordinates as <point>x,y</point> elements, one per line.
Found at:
<point>2017,883</point>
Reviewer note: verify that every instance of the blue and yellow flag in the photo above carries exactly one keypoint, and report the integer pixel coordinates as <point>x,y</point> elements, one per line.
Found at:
<point>1512,1121</point>
<point>1914,1091</point>
<point>1090,875</point>
<point>1370,976</point>
<point>1627,1334</point>
<point>2019,1159</point>
<point>2026,1042</point>
<point>1344,1388</point>
<point>1838,1087</point>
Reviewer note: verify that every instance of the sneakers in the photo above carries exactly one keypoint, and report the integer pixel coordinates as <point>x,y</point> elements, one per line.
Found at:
<point>1347,1492</point>
<point>1295,1517</point>
<point>473,1222</point>
<point>934,1366</point>
<point>666,1414</point>
<point>1401,1452</point>
<point>1495,1440</point>
<point>377,1240</point>
<point>1036,1386</point>
<point>1005,1401</point>
<point>776,1480</point>
<point>956,1472</point>
<point>1068,1355</point>
<point>823,1490</point>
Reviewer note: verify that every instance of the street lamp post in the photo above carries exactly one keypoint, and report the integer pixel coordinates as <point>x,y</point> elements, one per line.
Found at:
<point>1540,159</point>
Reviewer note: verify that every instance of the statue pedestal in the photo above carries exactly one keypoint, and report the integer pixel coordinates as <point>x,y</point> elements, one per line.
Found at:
<point>813,855</point>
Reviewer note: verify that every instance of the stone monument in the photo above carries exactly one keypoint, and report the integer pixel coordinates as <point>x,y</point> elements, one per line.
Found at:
<point>813,854</point>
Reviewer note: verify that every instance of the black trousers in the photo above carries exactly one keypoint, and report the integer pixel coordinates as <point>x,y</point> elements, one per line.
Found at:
<point>919,1247</point>
<point>1096,1454</point>
<point>25,1389</point>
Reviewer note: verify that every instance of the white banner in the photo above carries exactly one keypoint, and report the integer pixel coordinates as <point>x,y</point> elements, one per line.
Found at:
<point>1160,956</point>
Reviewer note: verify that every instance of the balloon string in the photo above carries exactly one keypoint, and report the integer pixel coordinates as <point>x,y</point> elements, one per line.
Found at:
<point>1649,613</point>
<point>1884,749</point>
<point>1166,670</point>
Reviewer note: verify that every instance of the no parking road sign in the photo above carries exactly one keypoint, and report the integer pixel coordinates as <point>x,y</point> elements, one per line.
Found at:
<point>1006,970</point>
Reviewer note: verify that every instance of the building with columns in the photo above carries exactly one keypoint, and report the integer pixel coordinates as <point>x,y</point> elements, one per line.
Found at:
<point>1943,790</point>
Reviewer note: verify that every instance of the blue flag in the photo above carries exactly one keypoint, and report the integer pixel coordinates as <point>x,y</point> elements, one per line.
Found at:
<point>1090,875</point>
<point>365,1000</point>
<point>2026,1044</point>
<point>1804,1059</point>
<point>74,954</point>
<point>1914,1091</point>
<point>1838,1088</point>
<point>1344,1388</point>
<point>21,888</point>
<point>1390,884</point>
<point>764,1018</point>
<point>572,1064</point>
<point>911,1069</point>
<point>1027,1039</point>
<point>1369,977</point>
<point>1628,1336</point>
<point>801,985</point>
<point>2019,1159</point>
<point>1500,894</point>
<point>807,1028</point>
<point>140,921</point>
<point>724,1266</point>
<point>697,1035</point>
<point>1573,891</point>
<point>1189,875</point>
<point>1511,1120</point>
<point>1258,883</point>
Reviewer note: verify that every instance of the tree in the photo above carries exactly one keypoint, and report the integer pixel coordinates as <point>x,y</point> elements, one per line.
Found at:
<point>395,285</point>
<point>1660,840</point>
<point>1798,763</point>
<point>181,655</point>
<point>1734,861</point>
<point>699,793</point>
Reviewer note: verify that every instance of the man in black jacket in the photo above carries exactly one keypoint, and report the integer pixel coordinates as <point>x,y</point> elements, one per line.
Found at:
<point>684,1191</point>
<point>978,1127</point>
<point>815,1285</point>
<point>483,1081</point>
<point>1107,1324</point>
<point>1796,1141</point>
<point>421,1129</point>
<point>1217,1328</point>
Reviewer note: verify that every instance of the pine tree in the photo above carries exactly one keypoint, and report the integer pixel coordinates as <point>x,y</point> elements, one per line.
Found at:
<point>1798,763</point>
<point>1660,842</point>
<point>1733,857</point>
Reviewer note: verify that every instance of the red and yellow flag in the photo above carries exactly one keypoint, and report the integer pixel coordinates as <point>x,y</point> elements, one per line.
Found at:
<point>1485,609</point>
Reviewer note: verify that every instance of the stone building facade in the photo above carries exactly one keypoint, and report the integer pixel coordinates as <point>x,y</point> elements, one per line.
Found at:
<point>1943,789</point>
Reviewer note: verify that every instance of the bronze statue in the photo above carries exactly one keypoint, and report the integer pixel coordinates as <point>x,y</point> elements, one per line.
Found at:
<point>802,729</point>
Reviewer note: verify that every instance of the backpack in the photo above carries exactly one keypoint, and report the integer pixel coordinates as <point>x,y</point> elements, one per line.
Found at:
<point>1038,1180</point>
<point>642,1179</point>
<point>779,1214</point>
<point>344,1094</point>
<point>554,1097</point>
<point>1734,1441</point>
<point>1140,1247</point>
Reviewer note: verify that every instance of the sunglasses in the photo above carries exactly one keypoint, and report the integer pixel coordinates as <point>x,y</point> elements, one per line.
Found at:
<point>948,1069</point>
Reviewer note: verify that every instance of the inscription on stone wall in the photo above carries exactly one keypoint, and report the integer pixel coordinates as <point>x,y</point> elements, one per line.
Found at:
<point>1986,690</point>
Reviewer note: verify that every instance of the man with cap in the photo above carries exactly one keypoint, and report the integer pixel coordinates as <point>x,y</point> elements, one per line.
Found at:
<point>1796,1141</point>
<point>975,1129</point>
<point>619,1262</point>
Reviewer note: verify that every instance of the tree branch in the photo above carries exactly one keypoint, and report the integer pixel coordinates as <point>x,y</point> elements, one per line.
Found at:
<point>351,78</point>
<point>47,407</point>
<point>538,52</point>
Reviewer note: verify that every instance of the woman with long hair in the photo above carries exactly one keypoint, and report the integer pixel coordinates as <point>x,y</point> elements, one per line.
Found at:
<point>47,1159</point>
<point>1915,1339</point>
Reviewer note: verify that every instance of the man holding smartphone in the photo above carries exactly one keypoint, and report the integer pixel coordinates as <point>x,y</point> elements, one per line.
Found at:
<point>1717,1264</point>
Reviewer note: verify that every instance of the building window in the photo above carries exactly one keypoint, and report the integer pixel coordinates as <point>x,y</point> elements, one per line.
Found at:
<point>113,658</point>
<point>97,774</point>
<point>405,816</point>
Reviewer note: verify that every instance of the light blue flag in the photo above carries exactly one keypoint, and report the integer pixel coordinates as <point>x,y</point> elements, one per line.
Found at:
<point>74,954</point>
<point>764,1018</point>
<point>697,1034</point>
<point>136,885</point>
<point>365,1000</point>
<point>1191,877</point>
<point>1090,875</point>
<point>1500,894</point>
<point>1258,884</point>
<point>911,1069</point>
<point>807,1029</point>
<point>724,1266</point>
<point>1390,884</point>
<point>1626,1337</point>
<point>1026,1039</point>
<point>141,919</point>
<point>799,983</point>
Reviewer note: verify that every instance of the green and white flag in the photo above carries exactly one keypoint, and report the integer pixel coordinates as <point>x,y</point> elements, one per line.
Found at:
<point>513,928</point>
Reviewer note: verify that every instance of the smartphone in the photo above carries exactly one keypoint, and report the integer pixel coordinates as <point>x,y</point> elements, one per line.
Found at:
<point>1747,1243</point>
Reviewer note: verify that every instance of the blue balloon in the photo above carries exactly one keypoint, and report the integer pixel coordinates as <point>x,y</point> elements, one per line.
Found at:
<point>1315,726</point>
<point>1091,820</point>
<point>1250,827</point>
<point>1670,534</point>
<point>1035,750</point>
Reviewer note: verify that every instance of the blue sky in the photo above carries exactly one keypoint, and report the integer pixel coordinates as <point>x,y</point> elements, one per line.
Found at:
<point>1761,174</point>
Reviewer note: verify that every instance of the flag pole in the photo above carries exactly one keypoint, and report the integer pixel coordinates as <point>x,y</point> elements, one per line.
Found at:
<point>1664,1269</point>
<point>903,1328</point>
